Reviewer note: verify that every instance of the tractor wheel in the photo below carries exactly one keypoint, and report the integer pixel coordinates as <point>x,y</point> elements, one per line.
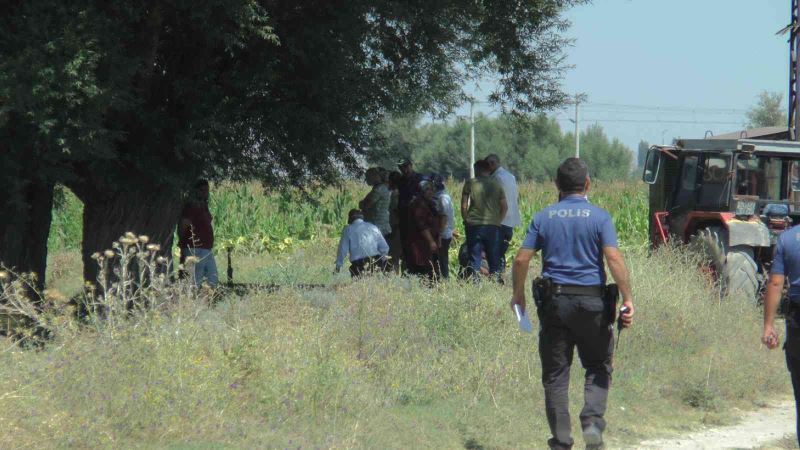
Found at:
<point>733,268</point>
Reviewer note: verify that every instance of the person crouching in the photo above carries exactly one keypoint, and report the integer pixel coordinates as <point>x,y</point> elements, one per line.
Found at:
<point>364,243</point>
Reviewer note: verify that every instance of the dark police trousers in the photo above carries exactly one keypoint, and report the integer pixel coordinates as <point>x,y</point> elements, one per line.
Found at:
<point>569,321</point>
<point>792,348</point>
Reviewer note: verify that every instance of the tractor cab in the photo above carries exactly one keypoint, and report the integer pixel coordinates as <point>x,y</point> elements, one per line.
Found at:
<point>732,197</point>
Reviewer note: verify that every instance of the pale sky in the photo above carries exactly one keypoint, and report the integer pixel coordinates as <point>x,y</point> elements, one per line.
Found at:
<point>673,68</point>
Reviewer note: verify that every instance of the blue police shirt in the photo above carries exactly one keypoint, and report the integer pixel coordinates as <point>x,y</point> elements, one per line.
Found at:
<point>786,260</point>
<point>571,235</point>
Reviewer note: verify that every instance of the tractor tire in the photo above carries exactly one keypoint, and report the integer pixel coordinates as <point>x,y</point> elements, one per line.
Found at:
<point>734,268</point>
<point>741,273</point>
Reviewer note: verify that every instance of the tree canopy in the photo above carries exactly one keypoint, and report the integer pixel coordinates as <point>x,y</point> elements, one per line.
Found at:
<point>128,103</point>
<point>531,148</point>
<point>769,111</point>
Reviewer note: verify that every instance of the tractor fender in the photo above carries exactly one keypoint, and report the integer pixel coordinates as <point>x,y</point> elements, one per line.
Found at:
<point>750,233</point>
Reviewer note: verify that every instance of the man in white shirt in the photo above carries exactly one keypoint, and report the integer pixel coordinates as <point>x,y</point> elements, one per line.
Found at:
<point>512,219</point>
<point>364,243</point>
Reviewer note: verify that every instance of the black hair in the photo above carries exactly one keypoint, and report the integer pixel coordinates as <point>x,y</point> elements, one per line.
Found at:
<point>395,178</point>
<point>572,174</point>
<point>354,214</point>
<point>492,156</point>
<point>201,183</point>
<point>481,166</point>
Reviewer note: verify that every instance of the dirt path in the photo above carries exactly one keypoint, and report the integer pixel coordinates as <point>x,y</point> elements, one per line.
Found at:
<point>756,428</point>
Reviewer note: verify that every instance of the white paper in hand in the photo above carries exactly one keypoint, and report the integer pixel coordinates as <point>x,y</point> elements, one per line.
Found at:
<point>524,322</point>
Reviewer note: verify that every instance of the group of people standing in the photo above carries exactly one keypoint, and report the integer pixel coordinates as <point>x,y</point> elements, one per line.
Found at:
<point>407,219</point>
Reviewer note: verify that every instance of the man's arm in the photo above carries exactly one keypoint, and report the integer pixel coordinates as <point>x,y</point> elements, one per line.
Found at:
<point>519,276</point>
<point>771,300</point>
<point>503,207</point>
<point>185,229</point>
<point>344,249</point>
<point>616,265</point>
<point>368,201</point>
<point>465,200</point>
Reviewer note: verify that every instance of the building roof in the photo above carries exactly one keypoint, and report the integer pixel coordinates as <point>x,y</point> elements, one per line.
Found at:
<point>765,133</point>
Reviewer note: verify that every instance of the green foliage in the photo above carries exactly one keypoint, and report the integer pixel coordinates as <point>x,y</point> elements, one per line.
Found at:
<point>67,226</point>
<point>252,220</point>
<point>110,91</point>
<point>769,111</point>
<point>531,149</point>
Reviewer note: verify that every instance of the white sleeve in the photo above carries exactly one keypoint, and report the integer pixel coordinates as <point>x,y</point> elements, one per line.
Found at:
<point>344,247</point>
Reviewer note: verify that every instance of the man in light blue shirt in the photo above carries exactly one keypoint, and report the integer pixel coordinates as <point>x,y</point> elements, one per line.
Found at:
<point>512,218</point>
<point>364,243</point>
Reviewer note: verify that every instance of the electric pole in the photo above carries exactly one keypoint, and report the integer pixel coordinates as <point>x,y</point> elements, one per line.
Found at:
<point>471,139</point>
<point>578,99</point>
<point>794,71</point>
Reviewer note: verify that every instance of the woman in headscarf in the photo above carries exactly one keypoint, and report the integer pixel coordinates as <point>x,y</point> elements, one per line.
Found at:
<point>425,232</point>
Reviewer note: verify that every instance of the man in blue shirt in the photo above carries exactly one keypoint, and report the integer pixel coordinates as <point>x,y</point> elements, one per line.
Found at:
<point>786,264</point>
<point>365,244</point>
<point>574,237</point>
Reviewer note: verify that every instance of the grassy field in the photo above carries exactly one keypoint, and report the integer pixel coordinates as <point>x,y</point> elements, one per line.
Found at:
<point>378,363</point>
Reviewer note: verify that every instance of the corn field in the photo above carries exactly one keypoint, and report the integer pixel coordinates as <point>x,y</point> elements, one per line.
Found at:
<point>250,219</point>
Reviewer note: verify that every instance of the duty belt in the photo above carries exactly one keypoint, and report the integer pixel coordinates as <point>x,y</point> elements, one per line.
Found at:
<point>566,289</point>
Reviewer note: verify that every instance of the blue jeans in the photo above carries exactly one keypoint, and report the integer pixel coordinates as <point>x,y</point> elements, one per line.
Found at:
<point>206,268</point>
<point>506,233</point>
<point>483,238</point>
<point>444,258</point>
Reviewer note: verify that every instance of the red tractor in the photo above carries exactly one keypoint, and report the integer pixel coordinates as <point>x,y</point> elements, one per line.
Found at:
<point>728,197</point>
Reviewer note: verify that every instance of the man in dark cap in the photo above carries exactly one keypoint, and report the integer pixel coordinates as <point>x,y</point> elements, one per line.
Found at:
<point>407,189</point>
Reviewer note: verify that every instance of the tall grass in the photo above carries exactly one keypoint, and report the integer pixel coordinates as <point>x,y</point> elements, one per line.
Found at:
<point>378,363</point>
<point>253,220</point>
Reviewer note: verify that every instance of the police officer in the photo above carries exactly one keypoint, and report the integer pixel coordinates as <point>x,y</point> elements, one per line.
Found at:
<point>786,264</point>
<point>574,237</point>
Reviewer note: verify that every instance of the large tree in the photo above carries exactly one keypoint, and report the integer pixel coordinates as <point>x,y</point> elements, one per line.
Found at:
<point>127,103</point>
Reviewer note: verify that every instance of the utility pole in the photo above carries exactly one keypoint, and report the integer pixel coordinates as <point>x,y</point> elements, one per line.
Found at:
<point>578,99</point>
<point>471,139</point>
<point>794,71</point>
<point>577,130</point>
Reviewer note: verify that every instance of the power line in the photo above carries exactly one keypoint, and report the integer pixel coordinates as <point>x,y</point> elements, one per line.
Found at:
<point>695,122</point>
<point>667,108</point>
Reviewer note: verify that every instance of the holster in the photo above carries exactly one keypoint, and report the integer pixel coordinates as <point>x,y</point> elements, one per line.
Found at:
<point>610,299</point>
<point>542,291</point>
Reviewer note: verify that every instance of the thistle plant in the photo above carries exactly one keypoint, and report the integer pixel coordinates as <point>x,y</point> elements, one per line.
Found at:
<point>133,284</point>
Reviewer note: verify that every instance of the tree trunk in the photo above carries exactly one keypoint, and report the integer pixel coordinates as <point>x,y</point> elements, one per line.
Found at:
<point>25,226</point>
<point>144,211</point>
